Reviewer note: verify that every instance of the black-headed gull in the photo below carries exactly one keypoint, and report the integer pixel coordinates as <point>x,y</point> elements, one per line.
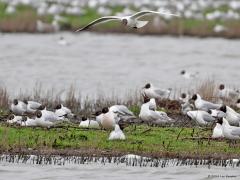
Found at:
<point>130,21</point>
<point>201,117</point>
<point>109,119</point>
<point>99,117</point>
<point>13,119</point>
<point>121,110</point>
<point>232,116</point>
<point>201,104</point>
<point>238,103</point>
<point>152,116</point>
<point>217,131</point>
<point>33,106</point>
<point>62,111</point>
<point>185,104</point>
<point>188,75</point>
<point>152,92</point>
<point>50,115</point>
<point>62,41</point>
<point>46,118</point>
<point>229,132</point>
<point>183,98</point>
<point>152,102</point>
<point>117,134</point>
<point>18,107</point>
<point>26,121</point>
<point>224,92</point>
<point>217,113</point>
<point>87,123</point>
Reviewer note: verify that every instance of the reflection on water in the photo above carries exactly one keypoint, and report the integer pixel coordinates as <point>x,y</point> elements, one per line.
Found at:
<point>125,167</point>
<point>112,171</point>
<point>96,62</point>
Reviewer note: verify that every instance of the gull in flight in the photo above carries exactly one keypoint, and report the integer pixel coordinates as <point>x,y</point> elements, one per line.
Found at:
<point>130,21</point>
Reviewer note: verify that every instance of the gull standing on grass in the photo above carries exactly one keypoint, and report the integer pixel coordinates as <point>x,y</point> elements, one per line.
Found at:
<point>130,21</point>
<point>185,104</point>
<point>152,92</point>
<point>201,104</point>
<point>61,111</point>
<point>87,123</point>
<point>13,119</point>
<point>33,106</point>
<point>217,131</point>
<point>117,134</point>
<point>26,121</point>
<point>216,113</point>
<point>18,107</point>
<point>201,117</point>
<point>229,132</point>
<point>152,116</point>
<point>109,119</point>
<point>121,110</point>
<point>232,116</point>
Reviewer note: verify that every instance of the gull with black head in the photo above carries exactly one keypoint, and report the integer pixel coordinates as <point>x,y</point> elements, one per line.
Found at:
<point>130,21</point>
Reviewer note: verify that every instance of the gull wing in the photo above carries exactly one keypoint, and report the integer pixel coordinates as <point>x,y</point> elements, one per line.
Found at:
<point>208,118</point>
<point>98,21</point>
<point>143,13</point>
<point>162,92</point>
<point>208,105</point>
<point>235,131</point>
<point>124,110</point>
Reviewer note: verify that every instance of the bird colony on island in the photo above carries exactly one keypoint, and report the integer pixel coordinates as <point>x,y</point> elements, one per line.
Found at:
<point>210,10</point>
<point>116,117</point>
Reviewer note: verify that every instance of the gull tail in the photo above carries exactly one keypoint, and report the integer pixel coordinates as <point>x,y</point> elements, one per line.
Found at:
<point>140,24</point>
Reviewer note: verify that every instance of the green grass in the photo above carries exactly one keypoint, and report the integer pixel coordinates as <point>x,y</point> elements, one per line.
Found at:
<point>156,140</point>
<point>223,8</point>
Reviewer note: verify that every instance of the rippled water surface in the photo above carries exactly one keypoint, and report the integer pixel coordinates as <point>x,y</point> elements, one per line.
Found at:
<point>110,62</point>
<point>113,171</point>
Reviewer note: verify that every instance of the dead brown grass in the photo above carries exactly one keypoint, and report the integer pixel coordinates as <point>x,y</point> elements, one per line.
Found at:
<point>23,22</point>
<point>4,98</point>
<point>208,90</point>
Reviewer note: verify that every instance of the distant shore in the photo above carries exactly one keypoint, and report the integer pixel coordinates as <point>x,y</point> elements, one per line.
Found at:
<point>25,19</point>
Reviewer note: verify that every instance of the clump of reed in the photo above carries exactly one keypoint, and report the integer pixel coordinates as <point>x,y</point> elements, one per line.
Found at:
<point>4,98</point>
<point>86,105</point>
<point>208,90</point>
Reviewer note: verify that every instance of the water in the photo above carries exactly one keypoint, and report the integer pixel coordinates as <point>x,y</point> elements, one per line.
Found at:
<point>108,62</point>
<point>94,62</point>
<point>113,171</point>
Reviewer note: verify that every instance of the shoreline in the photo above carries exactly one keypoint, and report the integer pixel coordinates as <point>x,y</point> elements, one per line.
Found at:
<point>150,142</point>
<point>97,153</point>
<point>146,33</point>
